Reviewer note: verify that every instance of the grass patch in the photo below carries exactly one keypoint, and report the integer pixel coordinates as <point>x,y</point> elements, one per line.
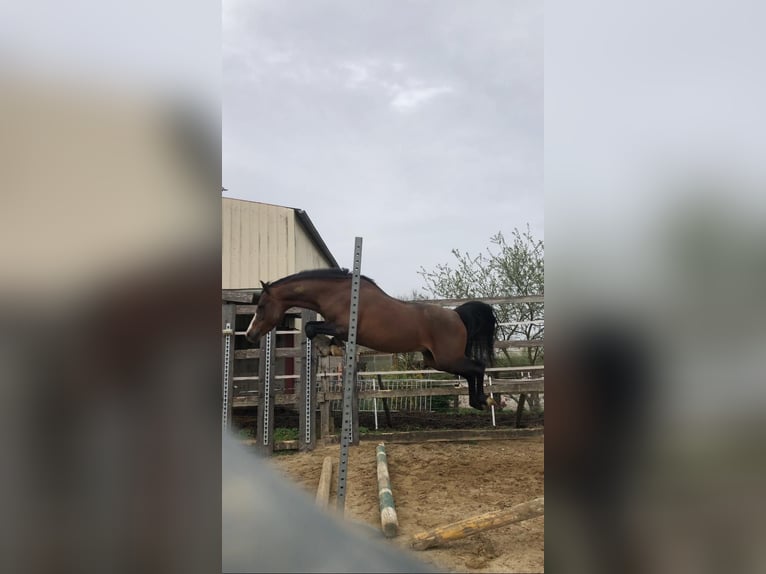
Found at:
<point>517,359</point>
<point>282,433</point>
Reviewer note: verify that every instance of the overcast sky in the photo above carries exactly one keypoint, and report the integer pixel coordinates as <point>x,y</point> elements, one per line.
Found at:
<point>415,125</point>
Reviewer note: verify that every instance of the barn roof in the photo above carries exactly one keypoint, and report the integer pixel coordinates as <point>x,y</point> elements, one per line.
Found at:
<point>308,226</point>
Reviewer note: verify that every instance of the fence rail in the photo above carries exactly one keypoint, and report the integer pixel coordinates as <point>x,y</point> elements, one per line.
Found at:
<point>503,386</point>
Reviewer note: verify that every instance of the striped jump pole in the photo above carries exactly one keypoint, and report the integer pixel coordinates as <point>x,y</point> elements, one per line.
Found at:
<point>388,520</point>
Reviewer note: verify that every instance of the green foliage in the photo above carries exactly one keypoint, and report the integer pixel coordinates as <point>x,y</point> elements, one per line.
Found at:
<point>443,403</point>
<point>466,411</point>
<point>516,358</point>
<point>281,434</point>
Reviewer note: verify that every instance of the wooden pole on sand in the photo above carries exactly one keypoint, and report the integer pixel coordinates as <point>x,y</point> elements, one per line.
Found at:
<point>470,526</point>
<point>323,490</point>
<point>388,519</point>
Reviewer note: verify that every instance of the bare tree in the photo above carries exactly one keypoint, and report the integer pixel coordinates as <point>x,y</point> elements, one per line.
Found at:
<point>505,270</point>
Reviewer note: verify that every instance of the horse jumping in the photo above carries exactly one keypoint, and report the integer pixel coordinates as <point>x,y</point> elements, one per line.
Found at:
<point>459,341</point>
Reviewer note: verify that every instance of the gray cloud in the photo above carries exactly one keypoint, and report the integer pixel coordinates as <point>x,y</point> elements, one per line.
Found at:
<point>417,125</point>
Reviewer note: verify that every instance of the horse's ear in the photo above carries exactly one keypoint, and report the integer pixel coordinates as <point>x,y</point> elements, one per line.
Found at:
<point>265,287</point>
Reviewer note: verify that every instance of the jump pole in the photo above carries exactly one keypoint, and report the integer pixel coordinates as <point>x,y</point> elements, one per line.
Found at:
<point>475,524</point>
<point>388,519</point>
<point>494,424</point>
<point>349,377</point>
<point>323,489</point>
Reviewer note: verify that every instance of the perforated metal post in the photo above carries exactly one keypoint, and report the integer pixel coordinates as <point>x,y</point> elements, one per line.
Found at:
<point>265,431</point>
<point>307,394</point>
<point>349,376</point>
<point>228,334</point>
<point>228,317</point>
<point>266,399</point>
<point>306,391</point>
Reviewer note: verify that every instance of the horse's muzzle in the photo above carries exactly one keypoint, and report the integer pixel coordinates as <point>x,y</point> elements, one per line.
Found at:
<point>252,336</point>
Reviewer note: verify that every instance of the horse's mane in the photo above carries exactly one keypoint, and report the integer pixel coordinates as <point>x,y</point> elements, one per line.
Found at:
<point>333,273</point>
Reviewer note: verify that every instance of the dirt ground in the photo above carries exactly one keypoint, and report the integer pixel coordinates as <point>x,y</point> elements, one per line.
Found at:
<point>438,483</point>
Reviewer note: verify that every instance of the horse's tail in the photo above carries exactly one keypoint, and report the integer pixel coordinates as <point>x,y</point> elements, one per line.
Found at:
<point>480,323</point>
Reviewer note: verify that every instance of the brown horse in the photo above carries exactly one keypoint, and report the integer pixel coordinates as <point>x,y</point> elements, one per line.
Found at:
<point>459,341</point>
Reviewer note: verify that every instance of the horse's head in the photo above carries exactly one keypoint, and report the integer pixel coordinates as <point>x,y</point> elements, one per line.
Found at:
<point>268,314</point>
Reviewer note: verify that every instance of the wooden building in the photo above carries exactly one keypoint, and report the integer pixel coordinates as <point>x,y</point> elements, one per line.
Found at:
<point>264,242</point>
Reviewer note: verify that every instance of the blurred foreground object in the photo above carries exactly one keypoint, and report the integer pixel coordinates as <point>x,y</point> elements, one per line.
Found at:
<point>656,251</point>
<point>96,183</point>
<point>110,259</point>
<point>109,286</point>
<point>269,525</point>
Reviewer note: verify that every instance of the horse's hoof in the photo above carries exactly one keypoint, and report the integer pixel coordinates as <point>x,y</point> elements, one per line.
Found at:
<point>491,402</point>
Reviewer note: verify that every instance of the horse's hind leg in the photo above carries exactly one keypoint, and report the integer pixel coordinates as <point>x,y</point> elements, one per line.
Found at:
<point>473,397</point>
<point>473,372</point>
<point>475,377</point>
<point>461,369</point>
<point>483,399</point>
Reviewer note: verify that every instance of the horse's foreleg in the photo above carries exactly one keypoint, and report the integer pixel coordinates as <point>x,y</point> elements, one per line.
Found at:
<point>314,328</point>
<point>335,344</point>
